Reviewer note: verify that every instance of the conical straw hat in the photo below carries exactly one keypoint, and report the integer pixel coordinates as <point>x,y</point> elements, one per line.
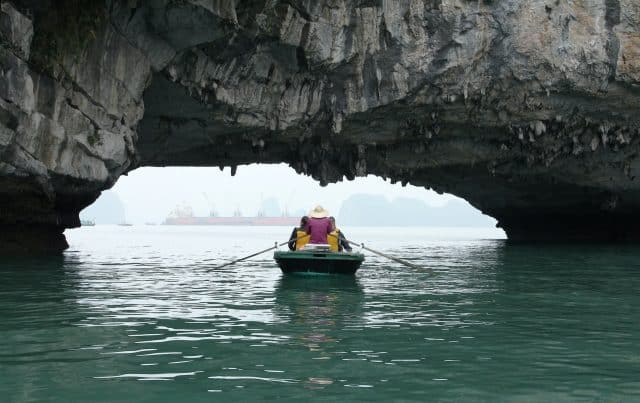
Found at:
<point>318,212</point>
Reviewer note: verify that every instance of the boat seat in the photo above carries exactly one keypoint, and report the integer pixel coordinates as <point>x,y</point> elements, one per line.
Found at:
<point>317,247</point>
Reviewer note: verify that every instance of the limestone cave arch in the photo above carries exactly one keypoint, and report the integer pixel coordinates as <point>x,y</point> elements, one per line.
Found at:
<point>535,127</point>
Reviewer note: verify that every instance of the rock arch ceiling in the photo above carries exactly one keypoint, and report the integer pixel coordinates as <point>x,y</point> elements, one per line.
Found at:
<point>526,109</point>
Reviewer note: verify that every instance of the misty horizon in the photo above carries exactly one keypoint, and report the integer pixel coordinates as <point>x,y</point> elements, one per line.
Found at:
<point>149,195</point>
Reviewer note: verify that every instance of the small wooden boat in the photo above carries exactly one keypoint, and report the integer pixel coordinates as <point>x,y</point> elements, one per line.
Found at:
<point>318,261</point>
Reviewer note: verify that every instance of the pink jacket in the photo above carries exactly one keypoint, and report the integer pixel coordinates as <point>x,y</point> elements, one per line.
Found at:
<point>318,228</point>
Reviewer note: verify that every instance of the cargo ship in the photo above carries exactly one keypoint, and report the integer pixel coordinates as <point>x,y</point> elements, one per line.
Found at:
<point>184,216</point>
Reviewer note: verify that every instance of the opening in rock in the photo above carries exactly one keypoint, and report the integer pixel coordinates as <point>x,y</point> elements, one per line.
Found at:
<point>150,196</point>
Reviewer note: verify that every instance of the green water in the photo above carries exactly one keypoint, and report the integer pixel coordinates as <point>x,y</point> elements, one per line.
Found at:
<point>137,314</point>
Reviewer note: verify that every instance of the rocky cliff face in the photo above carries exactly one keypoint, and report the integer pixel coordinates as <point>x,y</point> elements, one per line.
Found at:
<point>527,109</point>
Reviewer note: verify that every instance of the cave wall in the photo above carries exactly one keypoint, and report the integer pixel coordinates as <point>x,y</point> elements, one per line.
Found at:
<point>527,109</point>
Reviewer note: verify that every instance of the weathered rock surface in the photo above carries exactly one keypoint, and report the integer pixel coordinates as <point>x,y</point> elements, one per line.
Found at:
<point>527,109</point>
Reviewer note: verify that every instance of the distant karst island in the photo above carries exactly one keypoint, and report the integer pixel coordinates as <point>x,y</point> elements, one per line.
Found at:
<point>377,210</point>
<point>107,209</point>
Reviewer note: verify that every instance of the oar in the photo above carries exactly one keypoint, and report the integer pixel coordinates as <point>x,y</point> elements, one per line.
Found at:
<point>257,253</point>
<point>395,259</point>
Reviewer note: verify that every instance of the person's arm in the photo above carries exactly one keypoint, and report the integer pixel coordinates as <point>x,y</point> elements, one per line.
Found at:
<point>292,239</point>
<point>342,241</point>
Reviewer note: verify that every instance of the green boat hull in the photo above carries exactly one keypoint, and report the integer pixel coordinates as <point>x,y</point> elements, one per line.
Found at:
<point>306,262</point>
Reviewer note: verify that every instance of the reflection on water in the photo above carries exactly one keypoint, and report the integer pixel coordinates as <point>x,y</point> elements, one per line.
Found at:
<point>319,308</point>
<point>496,322</point>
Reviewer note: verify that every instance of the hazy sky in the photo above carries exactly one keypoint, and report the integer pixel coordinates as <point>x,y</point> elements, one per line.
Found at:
<point>149,194</point>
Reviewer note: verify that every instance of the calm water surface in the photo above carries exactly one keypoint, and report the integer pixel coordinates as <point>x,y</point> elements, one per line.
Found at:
<point>140,314</point>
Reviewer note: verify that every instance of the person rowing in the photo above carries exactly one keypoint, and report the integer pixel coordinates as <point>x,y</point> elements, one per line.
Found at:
<point>319,226</point>
<point>337,240</point>
<point>299,237</point>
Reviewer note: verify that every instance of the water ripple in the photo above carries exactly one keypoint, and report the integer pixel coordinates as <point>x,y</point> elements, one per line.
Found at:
<point>495,322</point>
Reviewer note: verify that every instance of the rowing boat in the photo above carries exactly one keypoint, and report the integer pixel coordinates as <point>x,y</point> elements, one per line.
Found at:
<point>318,261</point>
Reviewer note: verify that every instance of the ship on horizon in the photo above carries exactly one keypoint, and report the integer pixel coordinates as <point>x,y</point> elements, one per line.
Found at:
<point>183,215</point>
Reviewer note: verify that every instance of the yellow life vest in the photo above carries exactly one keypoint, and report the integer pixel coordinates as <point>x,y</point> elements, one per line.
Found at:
<point>332,240</point>
<point>302,238</point>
